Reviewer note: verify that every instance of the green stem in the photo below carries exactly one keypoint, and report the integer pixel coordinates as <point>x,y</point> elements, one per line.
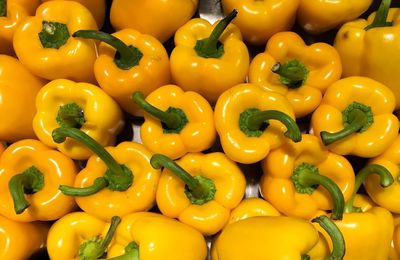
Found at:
<point>98,184</point>
<point>174,119</point>
<point>118,177</point>
<point>381,16</point>
<point>252,122</point>
<point>306,178</point>
<point>292,73</point>
<point>357,117</point>
<point>3,8</point>
<point>28,182</point>
<point>53,34</point>
<point>131,253</point>
<point>199,190</point>
<point>339,247</point>
<point>211,47</point>
<point>386,179</point>
<point>70,115</point>
<point>126,56</point>
<point>94,248</point>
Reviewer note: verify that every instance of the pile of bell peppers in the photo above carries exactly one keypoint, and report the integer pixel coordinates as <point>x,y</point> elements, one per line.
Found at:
<point>140,130</point>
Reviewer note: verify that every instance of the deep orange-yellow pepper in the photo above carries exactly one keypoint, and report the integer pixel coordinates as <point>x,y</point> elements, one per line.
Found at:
<point>176,122</point>
<point>292,170</point>
<point>259,20</point>
<point>356,117</point>
<point>12,12</point>
<point>199,189</point>
<point>251,122</point>
<point>43,42</point>
<point>160,18</point>
<point>18,90</point>
<point>301,73</point>
<point>30,174</point>
<point>20,240</point>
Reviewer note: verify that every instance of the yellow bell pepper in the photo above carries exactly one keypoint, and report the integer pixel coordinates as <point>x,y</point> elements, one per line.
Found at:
<point>12,12</point>
<point>18,90</point>
<point>259,20</point>
<point>79,235</point>
<point>149,236</point>
<point>209,59</point>
<point>129,61</point>
<point>356,117</point>
<point>377,53</point>
<point>199,189</point>
<point>251,122</point>
<point>43,43</point>
<point>301,73</point>
<point>116,181</point>
<point>318,16</point>
<point>30,174</point>
<point>395,245</point>
<point>82,105</point>
<point>293,172</point>
<point>274,237</point>
<point>176,122</point>
<point>20,240</point>
<point>160,18</point>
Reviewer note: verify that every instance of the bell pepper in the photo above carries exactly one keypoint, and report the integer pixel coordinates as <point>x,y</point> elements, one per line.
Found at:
<point>356,117</point>
<point>274,237</point>
<point>85,106</point>
<point>116,181</point>
<point>377,53</point>
<point>147,236</point>
<point>319,16</point>
<point>199,189</point>
<point>395,245</point>
<point>301,73</point>
<point>18,90</point>
<point>259,20</point>
<point>12,12</point>
<point>30,174</point>
<point>129,61</point>
<point>43,43</point>
<point>251,122</point>
<point>209,59</point>
<point>96,7</point>
<point>176,122</point>
<point>20,240</point>
<point>79,235</point>
<point>303,179</point>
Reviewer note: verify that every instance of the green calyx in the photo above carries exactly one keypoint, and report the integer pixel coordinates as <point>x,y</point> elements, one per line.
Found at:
<point>70,115</point>
<point>211,47</point>
<point>53,34</point>
<point>131,252</point>
<point>29,181</point>
<point>300,185</point>
<point>357,117</point>
<point>253,122</point>
<point>3,8</point>
<point>381,16</point>
<point>178,128</point>
<point>292,74</point>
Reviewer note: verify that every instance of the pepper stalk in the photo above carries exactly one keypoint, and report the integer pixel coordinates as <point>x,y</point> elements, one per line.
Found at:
<point>3,8</point>
<point>53,34</point>
<point>381,16</point>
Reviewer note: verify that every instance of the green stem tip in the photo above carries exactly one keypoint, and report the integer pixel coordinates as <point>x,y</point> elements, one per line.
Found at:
<point>131,252</point>
<point>381,16</point>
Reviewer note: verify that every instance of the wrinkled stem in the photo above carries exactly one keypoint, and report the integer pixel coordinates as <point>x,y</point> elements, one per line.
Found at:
<point>292,73</point>
<point>70,115</point>
<point>381,16</point>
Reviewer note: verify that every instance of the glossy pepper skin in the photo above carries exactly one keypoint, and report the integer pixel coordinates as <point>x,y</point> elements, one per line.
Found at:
<point>18,90</point>
<point>12,12</point>
<point>196,131</point>
<point>46,202</point>
<point>319,66</point>
<point>316,16</point>
<point>395,245</point>
<point>55,54</point>
<point>211,215</point>
<point>252,207</point>
<point>378,52</point>
<point>102,117</point>
<point>159,18</point>
<point>237,143</point>
<point>20,240</point>
<point>361,109</point>
<point>259,20</point>
<point>208,76</point>
<point>157,237</point>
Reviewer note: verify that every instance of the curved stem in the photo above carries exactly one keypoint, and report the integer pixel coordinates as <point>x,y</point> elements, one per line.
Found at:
<point>129,56</point>
<point>28,182</point>
<point>386,179</point>
<point>381,16</point>
<point>98,184</point>
<point>339,247</point>
<point>3,8</point>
